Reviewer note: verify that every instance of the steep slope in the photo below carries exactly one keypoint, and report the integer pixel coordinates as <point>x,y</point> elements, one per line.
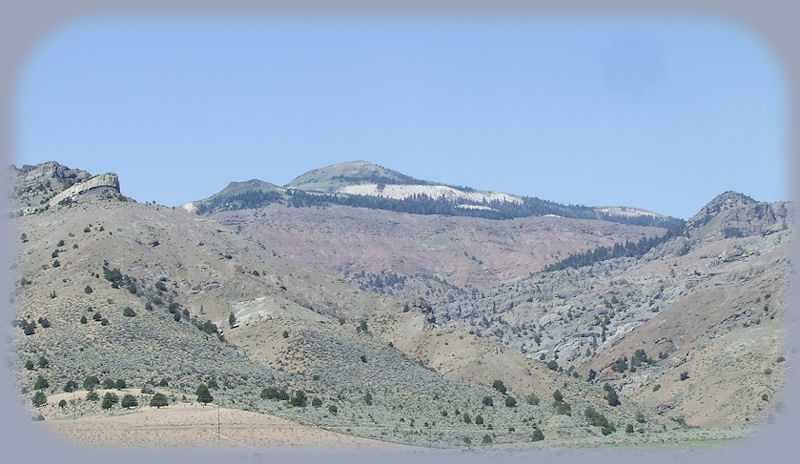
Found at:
<point>710,306</point>
<point>439,257</point>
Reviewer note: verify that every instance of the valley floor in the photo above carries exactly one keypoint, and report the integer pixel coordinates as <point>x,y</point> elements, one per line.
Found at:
<point>191,426</point>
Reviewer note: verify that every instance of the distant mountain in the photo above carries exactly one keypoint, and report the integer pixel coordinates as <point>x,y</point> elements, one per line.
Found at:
<point>333,178</point>
<point>364,185</point>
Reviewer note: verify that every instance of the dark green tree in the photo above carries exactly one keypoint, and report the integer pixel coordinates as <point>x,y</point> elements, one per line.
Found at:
<point>109,400</point>
<point>39,399</point>
<point>40,383</point>
<point>611,395</point>
<point>158,400</point>
<point>203,395</point>
<point>499,386</point>
<point>129,401</point>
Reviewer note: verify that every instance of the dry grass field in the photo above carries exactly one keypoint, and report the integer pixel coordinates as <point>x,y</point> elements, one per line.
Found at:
<point>192,426</point>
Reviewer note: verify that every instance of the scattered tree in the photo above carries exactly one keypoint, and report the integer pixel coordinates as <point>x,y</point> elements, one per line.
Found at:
<point>611,395</point>
<point>158,401</point>
<point>41,383</point>
<point>128,401</point>
<point>499,386</point>
<point>39,399</point>
<point>203,395</point>
<point>109,400</point>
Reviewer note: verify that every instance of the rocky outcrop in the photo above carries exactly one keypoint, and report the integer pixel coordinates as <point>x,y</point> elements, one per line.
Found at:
<point>733,214</point>
<point>108,180</point>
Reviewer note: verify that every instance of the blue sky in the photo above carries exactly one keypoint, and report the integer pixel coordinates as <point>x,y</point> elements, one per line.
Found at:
<point>659,114</point>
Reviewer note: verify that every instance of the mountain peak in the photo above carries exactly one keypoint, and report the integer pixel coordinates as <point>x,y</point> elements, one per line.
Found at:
<point>331,178</point>
<point>735,214</point>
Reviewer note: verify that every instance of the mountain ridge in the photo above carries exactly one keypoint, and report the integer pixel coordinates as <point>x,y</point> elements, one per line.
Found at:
<point>363,184</point>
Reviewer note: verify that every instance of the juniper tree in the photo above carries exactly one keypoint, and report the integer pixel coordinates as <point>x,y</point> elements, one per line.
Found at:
<point>203,395</point>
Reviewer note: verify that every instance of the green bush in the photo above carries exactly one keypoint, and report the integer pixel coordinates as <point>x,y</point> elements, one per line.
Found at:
<point>466,418</point>
<point>300,400</point>
<point>29,365</point>
<point>109,400</point>
<point>62,404</point>
<point>120,384</point>
<point>537,435</point>
<point>70,386</point>
<point>611,395</point>
<point>83,320</point>
<point>41,383</point>
<point>629,428</point>
<point>499,386</point>
<point>158,400</point>
<point>532,399</point>
<point>511,401</point>
<point>90,382</point>
<point>39,399</point>
<point>558,396</point>
<point>128,312</point>
<point>316,402</point>
<point>108,383</point>
<point>488,401</point>
<point>87,290</point>
<point>272,393</point>
<point>478,420</point>
<point>333,409</point>
<point>368,399</point>
<point>92,395</point>
<point>43,362</point>
<point>684,375</point>
<point>203,395</point>
<point>487,440</point>
<point>563,408</point>
<point>128,401</point>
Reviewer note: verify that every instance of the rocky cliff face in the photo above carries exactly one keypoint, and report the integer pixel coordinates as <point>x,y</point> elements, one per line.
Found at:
<point>109,180</point>
<point>37,188</point>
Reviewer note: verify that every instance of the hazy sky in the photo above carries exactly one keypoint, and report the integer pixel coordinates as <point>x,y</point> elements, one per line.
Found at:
<point>659,114</point>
